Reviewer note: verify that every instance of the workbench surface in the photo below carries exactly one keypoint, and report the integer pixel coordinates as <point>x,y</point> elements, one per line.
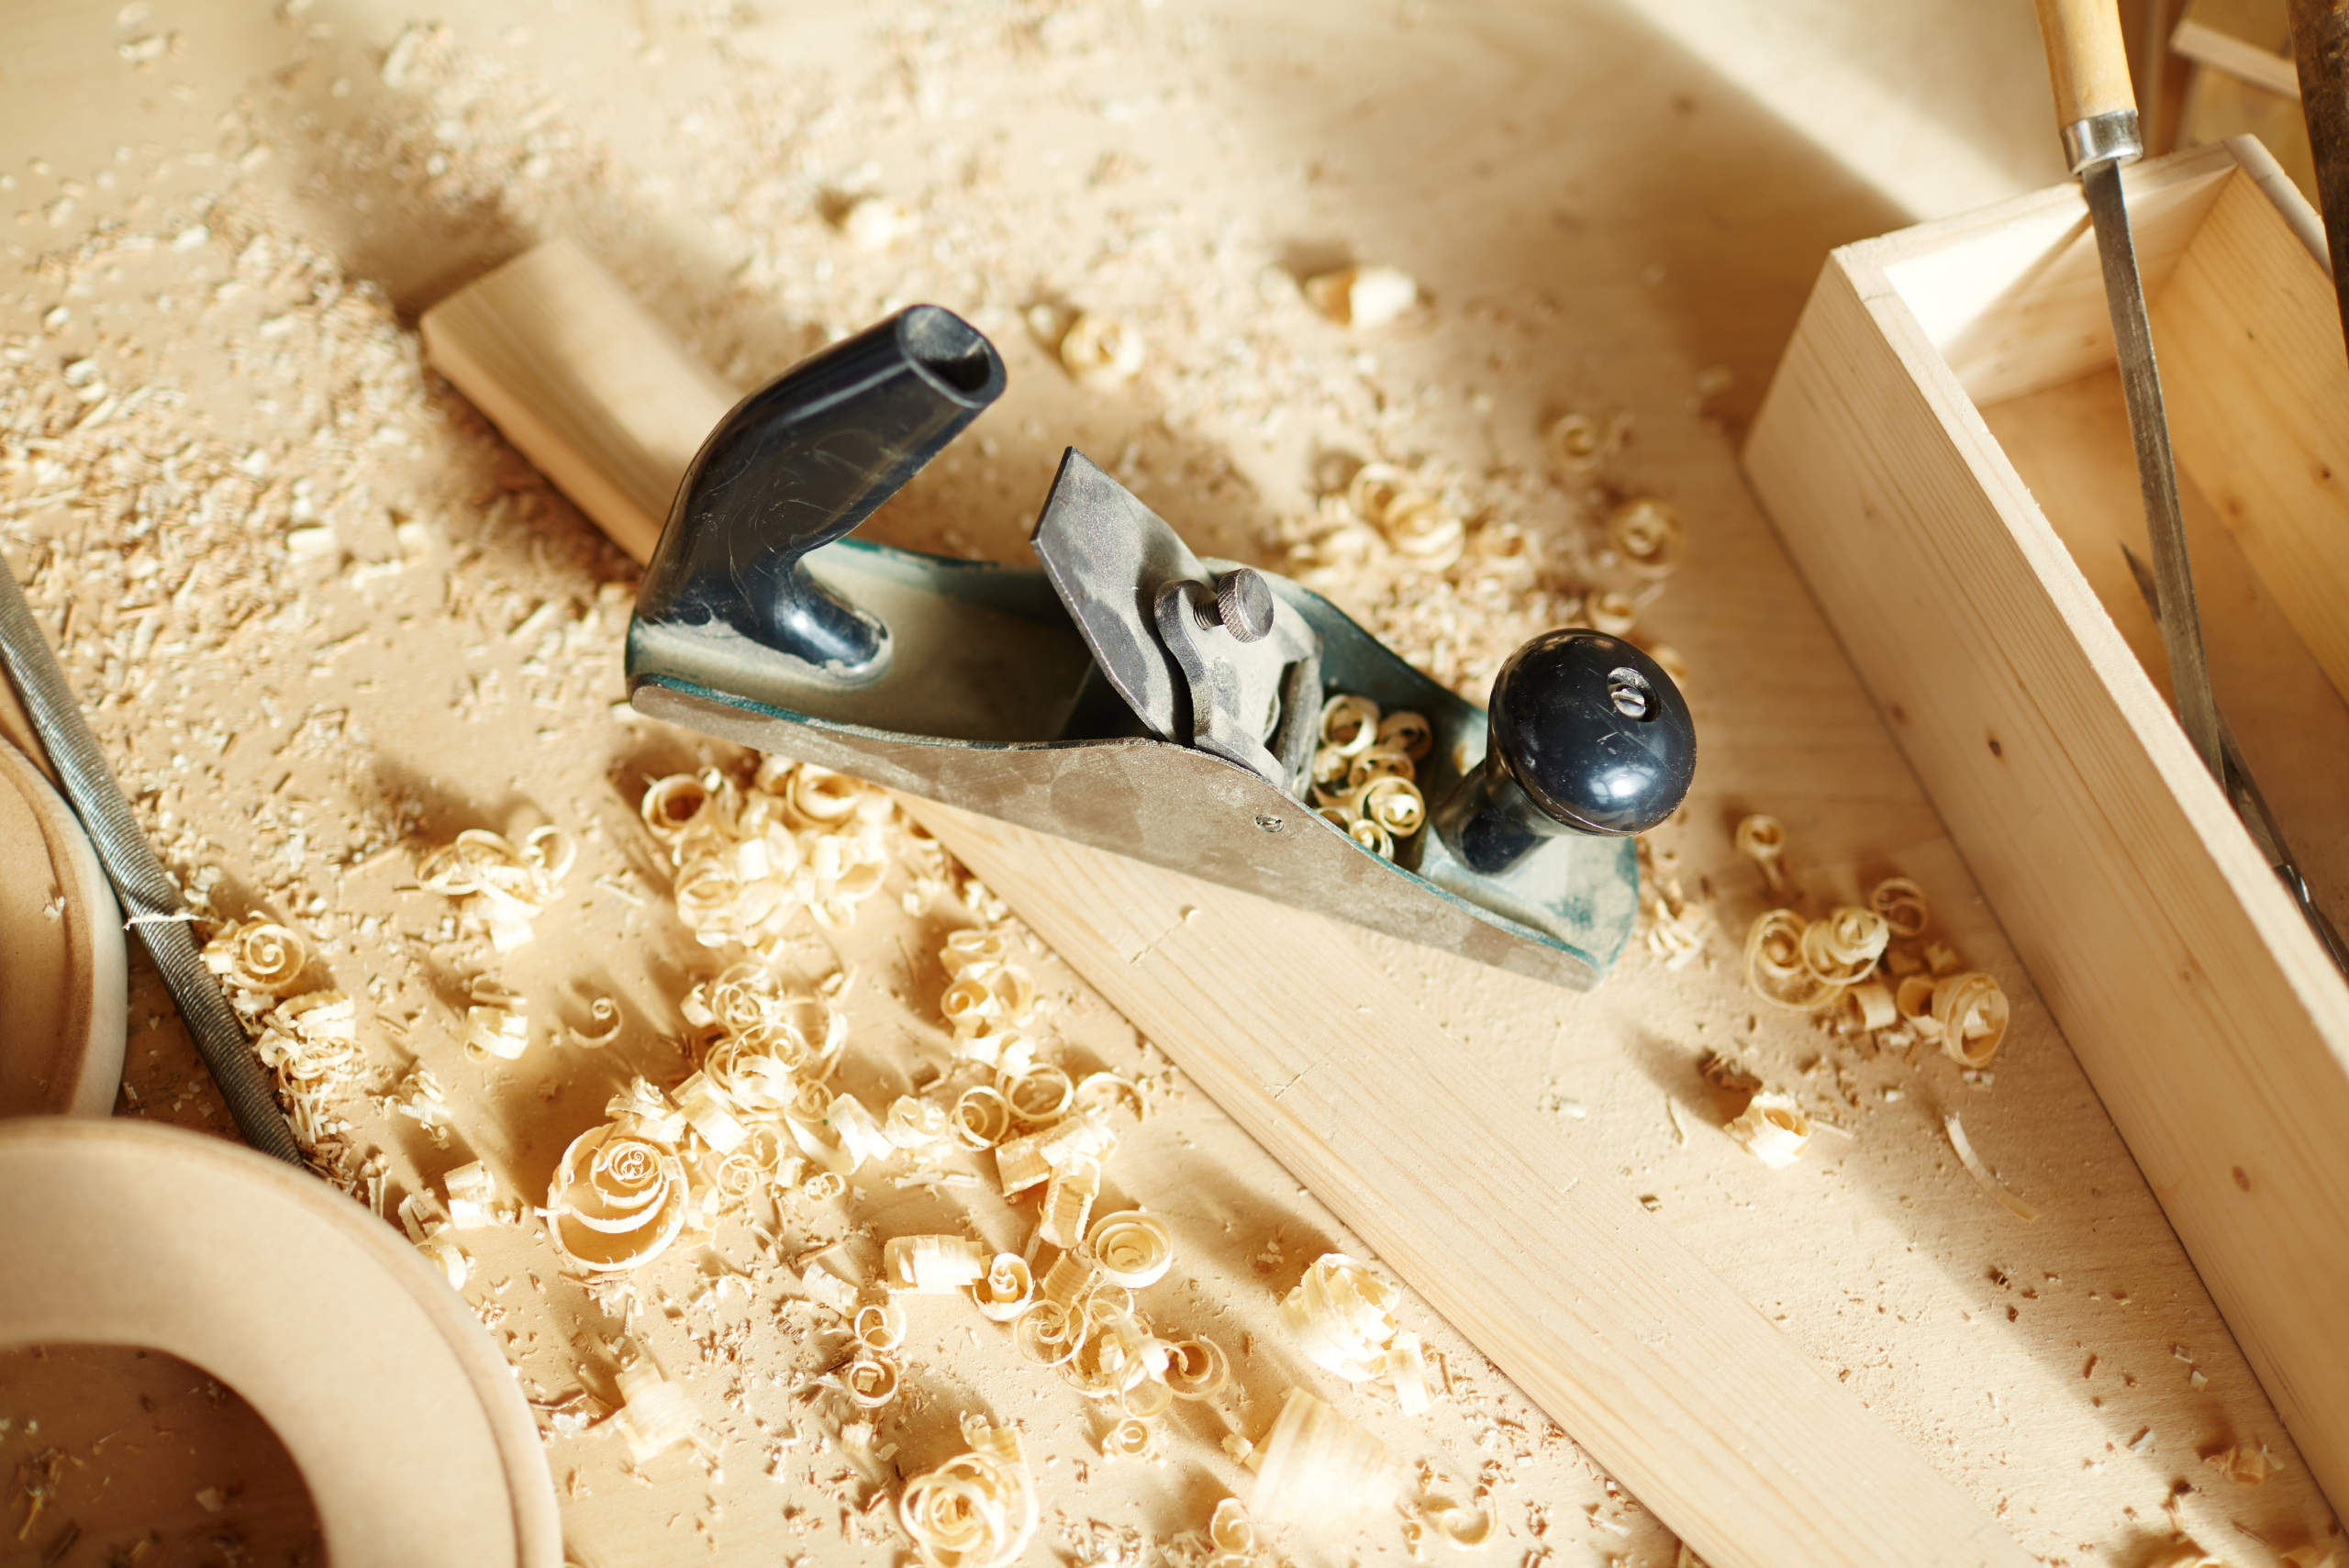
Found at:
<point>220,223</point>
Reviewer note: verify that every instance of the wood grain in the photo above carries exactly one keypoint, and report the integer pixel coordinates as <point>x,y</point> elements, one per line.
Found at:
<point>1660,1371</point>
<point>578,375</point>
<point>2087,61</point>
<point>1654,1366</point>
<point>2253,366</point>
<point>2213,1027</point>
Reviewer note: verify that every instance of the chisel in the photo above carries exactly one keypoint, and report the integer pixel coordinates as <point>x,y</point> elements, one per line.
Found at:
<point>2097,111</point>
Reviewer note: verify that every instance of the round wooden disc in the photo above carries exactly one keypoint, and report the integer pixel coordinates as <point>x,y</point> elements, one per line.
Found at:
<point>403,1418</point>
<point>65,987</point>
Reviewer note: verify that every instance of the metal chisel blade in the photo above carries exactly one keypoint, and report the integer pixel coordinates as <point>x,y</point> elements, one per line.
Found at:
<point>2181,628</point>
<point>2243,792</point>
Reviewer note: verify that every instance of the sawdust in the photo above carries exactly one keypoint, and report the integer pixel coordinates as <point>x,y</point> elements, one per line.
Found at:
<point>327,621</point>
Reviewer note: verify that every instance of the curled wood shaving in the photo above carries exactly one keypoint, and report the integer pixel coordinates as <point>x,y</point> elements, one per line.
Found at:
<point>496,1028</point>
<point>605,1014</point>
<point>1100,351</point>
<point>1981,1173</point>
<point>1612,612</point>
<point>1870,1007</point>
<point>1362,296</point>
<point>707,1111</point>
<point>1048,1333</point>
<point>1317,1470</point>
<point>619,1197</point>
<point>1646,537</point>
<point>880,1326</point>
<point>1846,946</point>
<point>498,887</point>
<point>1146,1400</point>
<point>974,1512</point>
<point>1365,773</point>
<point>1007,1290</point>
<point>1772,1128</point>
<point>472,1196</point>
<point>1031,1159</point>
<point>981,1118</point>
<point>2243,1464</point>
<point>1762,841</point>
<point>1677,926</point>
<point>1230,1528</point>
<point>872,1380</point>
<point>750,860</point>
<point>1341,1315</point>
<point>1776,968</point>
<point>259,956</point>
<point>1576,444</point>
<point>1903,906</point>
<point>1068,1201</point>
<point>1197,1368</point>
<point>655,1414</point>
<point>1131,1249</point>
<point>1072,1275</point>
<point>932,1265</point>
<point>1130,1438</point>
<point>1970,1011</point>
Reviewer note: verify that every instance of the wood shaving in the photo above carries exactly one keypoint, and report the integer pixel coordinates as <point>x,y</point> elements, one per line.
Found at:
<point>2243,1464</point>
<point>1981,1173</point>
<point>1100,351</point>
<point>1128,1438</point>
<point>1646,537</point>
<point>1773,1128</point>
<point>499,888</point>
<point>1678,928</point>
<point>1364,770</point>
<point>1970,1012</point>
<point>932,1265</point>
<point>1007,1290</point>
<point>1762,841</point>
<point>1319,1471</point>
<point>751,859</point>
<point>1131,1248</point>
<point>1576,444</point>
<point>1341,1315</point>
<point>619,1196</point>
<point>1903,906</point>
<point>655,1414</point>
<point>976,1511</point>
<point>1362,296</point>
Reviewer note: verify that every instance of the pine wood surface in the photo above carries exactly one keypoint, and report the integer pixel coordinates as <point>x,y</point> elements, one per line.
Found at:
<point>2251,40</point>
<point>1607,212</point>
<point>2225,1058</point>
<point>1645,1357</point>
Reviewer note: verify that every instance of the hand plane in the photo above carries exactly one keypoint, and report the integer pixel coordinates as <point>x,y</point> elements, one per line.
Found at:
<point>1129,694</point>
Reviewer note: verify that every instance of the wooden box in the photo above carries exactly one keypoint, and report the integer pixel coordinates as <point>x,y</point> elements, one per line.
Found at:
<point>1946,453</point>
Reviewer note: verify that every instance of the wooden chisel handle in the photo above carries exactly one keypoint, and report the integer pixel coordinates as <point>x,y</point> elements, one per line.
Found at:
<point>2089,65</point>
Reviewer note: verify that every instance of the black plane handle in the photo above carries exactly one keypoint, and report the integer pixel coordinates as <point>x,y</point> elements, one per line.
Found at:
<point>800,462</point>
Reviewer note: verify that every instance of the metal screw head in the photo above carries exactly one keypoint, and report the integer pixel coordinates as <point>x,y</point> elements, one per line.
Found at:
<point>1269,823</point>
<point>1627,690</point>
<point>1244,601</point>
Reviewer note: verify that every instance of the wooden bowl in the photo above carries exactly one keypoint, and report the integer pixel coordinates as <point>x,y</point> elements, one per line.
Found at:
<point>404,1419</point>
<point>65,987</point>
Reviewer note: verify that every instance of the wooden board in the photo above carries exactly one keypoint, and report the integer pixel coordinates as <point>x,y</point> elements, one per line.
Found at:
<point>2254,369</point>
<point>62,964</point>
<point>1647,1359</point>
<point>2248,39</point>
<point>2213,1027</point>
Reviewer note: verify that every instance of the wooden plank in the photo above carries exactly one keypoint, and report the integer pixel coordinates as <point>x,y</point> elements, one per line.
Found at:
<point>616,411</point>
<point>2258,391</point>
<point>2248,39</point>
<point>2205,1013</point>
<point>1718,1423</point>
<point>1654,1366</point>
